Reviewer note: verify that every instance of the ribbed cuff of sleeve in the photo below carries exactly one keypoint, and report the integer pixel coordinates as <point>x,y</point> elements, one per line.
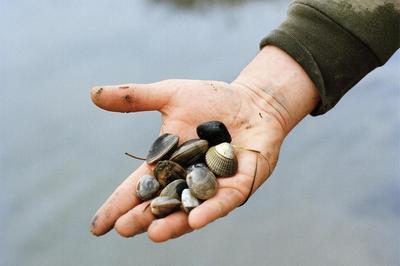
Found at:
<point>334,59</point>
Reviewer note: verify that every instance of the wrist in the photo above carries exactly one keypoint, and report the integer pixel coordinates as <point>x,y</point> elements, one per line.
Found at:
<point>280,85</point>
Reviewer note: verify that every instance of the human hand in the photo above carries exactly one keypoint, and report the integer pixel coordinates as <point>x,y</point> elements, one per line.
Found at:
<point>257,120</point>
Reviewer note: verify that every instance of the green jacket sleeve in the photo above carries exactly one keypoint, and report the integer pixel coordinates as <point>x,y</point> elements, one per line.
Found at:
<point>338,42</point>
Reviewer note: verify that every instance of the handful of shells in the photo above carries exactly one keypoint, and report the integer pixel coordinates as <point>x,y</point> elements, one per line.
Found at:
<point>185,176</point>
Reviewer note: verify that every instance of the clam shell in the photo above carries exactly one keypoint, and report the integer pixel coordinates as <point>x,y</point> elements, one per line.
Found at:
<point>168,171</point>
<point>222,160</point>
<point>190,168</point>
<point>162,206</point>
<point>215,132</point>
<point>147,187</point>
<point>202,183</point>
<point>174,189</point>
<point>189,201</point>
<point>190,152</point>
<point>162,147</point>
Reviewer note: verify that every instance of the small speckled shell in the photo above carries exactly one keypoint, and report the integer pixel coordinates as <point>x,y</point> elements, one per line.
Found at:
<point>162,147</point>
<point>162,206</point>
<point>202,183</point>
<point>222,160</point>
<point>147,187</point>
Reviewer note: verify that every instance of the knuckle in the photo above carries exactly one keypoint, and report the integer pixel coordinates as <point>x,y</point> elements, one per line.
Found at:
<point>164,82</point>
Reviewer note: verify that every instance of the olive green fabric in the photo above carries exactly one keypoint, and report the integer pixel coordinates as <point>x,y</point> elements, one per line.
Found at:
<point>338,42</point>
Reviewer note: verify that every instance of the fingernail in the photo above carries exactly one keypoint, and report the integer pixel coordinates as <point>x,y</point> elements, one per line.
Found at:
<point>94,220</point>
<point>93,224</point>
<point>96,92</point>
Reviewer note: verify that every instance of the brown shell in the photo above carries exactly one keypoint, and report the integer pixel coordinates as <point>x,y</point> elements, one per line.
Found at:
<point>168,171</point>
<point>222,160</point>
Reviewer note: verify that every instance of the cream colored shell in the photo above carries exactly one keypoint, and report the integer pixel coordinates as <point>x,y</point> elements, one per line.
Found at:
<point>221,159</point>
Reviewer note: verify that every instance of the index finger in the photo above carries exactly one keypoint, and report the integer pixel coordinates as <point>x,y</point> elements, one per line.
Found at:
<point>121,201</point>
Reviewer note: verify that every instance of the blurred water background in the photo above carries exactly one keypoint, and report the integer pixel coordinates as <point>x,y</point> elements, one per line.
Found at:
<point>334,198</point>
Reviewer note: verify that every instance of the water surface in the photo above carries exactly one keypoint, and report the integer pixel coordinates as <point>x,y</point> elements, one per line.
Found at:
<point>333,199</point>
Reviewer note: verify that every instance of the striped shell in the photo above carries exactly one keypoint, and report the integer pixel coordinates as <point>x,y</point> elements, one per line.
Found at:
<point>221,160</point>
<point>162,147</point>
<point>162,206</point>
<point>174,189</point>
<point>190,152</point>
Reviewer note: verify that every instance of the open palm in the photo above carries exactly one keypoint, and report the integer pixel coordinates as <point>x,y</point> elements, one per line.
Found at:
<point>256,127</point>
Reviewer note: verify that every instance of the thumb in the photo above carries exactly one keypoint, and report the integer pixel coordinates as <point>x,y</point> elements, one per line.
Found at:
<point>131,97</point>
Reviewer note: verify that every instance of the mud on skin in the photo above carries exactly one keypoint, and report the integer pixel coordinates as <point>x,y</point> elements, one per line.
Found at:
<point>94,220</point>
<point>128,99</point>
<point>98,93</point>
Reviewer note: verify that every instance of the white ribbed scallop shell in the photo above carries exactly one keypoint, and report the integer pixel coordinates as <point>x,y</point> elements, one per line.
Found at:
<point>221,160</point>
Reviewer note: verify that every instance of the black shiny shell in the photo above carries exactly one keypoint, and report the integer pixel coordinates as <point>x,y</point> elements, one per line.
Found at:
<point>214,132</point>
<point>162,147</point>
<point>190,152</point>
